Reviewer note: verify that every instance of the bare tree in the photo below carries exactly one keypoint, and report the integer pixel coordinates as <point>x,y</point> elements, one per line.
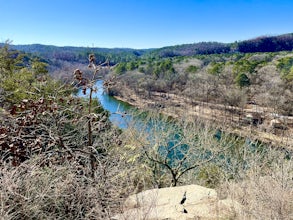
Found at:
<point>172,148</point>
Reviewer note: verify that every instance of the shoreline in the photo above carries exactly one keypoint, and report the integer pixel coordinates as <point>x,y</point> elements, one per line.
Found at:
<point>176,106</point>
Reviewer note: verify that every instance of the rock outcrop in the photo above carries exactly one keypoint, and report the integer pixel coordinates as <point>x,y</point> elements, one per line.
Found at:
<point>171,203</point>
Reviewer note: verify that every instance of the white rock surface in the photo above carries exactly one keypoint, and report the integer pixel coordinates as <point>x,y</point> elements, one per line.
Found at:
<point>158,204</point>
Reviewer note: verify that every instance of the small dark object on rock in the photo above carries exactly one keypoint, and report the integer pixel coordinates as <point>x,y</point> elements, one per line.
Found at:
<point>183,198</point>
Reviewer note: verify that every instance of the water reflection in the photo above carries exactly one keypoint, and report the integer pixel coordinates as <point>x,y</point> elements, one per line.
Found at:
<point>118,109</point>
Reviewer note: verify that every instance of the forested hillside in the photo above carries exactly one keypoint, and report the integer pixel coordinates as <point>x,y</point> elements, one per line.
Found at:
<point>116,55</point>
<point>61,60</point>
<point>259,44</point>
<point>233,89</point>
<point>80,54</point>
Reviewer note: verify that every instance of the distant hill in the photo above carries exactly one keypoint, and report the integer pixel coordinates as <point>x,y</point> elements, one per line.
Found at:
<point>192,49</point>
<point>267,44</point>
<point>79,54</point>
<point>260,44</point>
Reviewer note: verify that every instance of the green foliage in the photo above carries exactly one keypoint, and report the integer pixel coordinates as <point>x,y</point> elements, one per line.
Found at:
<point>285,63</point>
<point>131,65</point>
<point>286,66</point>
<point>245,65</point>
<point>18,86</point>
<point>25,79</point>
<point>163,69</point>
<point>39,67</point>
<point>242,80</point>
<point>216,68</point>
<point>10,60</point>
<point>289,76</point>
<point>141,69</point>
<point>120,68</point>
<point>192,69</point>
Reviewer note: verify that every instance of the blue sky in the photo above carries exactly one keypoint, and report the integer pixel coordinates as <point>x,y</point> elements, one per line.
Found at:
<point>141,23</point>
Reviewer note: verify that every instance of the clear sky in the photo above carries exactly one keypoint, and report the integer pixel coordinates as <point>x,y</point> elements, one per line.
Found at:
<point>141,23</point>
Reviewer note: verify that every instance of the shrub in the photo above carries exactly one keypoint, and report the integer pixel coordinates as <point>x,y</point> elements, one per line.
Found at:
<point>192,69</point>
<point>242,80</point>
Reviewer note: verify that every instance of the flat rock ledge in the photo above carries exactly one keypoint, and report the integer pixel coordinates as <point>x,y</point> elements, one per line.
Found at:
<point>165,204</point>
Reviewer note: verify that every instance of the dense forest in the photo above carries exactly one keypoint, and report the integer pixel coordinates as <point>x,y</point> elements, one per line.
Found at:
<point>80,54</point>
<point>260,44</point>
<point>115,55</point>
<point>227,107</point>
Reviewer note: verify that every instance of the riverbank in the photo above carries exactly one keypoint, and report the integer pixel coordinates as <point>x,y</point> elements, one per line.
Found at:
<point>232,119</point>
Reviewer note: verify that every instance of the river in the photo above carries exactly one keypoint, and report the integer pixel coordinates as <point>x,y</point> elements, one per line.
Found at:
<point>116,108</point>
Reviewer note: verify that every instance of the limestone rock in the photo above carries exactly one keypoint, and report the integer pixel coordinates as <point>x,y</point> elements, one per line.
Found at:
<point>162,204</point>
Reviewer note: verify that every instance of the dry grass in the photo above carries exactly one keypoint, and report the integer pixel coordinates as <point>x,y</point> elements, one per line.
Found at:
<point>67,190</point>
<point>30,191</point>
<point>260,178</point>
<point>264,194</point>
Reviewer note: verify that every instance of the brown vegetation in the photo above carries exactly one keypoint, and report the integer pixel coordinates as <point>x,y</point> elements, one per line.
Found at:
<point>260,105</point>
<point>61,158</point>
